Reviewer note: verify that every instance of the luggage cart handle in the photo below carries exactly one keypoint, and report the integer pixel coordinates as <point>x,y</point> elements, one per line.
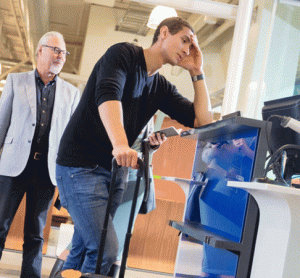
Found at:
<point>116,166</point>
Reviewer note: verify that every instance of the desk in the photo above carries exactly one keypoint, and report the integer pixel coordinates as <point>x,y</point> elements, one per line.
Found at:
<point>277,248</point>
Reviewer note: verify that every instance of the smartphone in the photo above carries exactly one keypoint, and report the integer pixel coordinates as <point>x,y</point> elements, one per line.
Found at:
<point>168,132</point>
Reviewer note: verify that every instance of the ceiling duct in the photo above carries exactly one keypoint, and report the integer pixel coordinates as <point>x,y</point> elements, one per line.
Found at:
<point>108,3</point>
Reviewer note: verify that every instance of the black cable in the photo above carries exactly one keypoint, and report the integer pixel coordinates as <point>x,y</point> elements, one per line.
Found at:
<point>267,134</point>
<point>277,170</point>
<point>277,153</point>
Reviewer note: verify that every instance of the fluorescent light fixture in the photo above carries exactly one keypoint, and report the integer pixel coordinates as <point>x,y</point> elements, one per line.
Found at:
<point>3,81</point>
<point>158,14</point>
<point>204,7</point>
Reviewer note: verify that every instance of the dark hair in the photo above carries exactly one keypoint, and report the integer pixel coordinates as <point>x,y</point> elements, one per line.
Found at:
<point>174,24</point>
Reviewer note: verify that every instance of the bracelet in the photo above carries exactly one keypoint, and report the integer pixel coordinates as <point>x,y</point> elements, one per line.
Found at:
<point>197,77</point>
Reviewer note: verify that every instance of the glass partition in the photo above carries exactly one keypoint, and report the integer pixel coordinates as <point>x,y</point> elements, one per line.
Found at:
<point>278,70</point>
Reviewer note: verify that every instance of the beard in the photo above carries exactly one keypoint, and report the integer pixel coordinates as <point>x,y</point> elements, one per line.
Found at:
<point>56,68</point>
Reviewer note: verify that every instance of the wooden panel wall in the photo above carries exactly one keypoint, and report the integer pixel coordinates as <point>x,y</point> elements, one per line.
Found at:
<point>154,243</point>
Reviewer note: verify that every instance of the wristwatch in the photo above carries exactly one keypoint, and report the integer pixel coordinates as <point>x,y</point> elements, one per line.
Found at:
<point>197,77</point>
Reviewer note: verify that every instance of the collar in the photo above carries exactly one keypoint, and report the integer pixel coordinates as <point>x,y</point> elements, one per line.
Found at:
<point>39,79</point>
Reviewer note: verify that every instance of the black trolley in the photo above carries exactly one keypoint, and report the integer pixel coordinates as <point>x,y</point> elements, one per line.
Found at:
<point>140,174</point>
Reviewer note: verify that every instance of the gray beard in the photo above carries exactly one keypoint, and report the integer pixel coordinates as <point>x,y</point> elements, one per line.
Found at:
<point>55,69</point>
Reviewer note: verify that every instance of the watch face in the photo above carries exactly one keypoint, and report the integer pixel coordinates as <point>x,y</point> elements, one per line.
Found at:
<point>197,77</point>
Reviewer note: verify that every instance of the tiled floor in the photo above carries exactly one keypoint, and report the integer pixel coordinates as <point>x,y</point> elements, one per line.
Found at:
<point>11,262</point>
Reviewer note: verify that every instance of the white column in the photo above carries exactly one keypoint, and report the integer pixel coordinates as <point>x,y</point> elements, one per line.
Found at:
<point>237,56</point>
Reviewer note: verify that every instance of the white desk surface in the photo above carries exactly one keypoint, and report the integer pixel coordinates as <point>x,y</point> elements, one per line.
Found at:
<point>264,186</point>
<point>277,249</point>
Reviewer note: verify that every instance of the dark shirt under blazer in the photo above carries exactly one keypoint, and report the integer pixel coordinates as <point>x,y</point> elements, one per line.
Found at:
<point>45,95</point>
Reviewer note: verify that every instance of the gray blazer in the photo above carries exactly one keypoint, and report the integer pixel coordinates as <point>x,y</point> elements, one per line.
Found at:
<point>18,121</point>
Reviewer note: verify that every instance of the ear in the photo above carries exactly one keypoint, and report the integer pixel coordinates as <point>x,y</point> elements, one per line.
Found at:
<point>164,32</point>
<point>40,49</point>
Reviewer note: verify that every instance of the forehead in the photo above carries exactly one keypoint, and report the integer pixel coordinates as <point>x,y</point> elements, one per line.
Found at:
<point>186,31</point>
<point>56,41</point>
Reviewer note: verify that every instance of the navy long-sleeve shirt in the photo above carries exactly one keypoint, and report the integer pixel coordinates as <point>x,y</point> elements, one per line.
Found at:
<point>121,75</point>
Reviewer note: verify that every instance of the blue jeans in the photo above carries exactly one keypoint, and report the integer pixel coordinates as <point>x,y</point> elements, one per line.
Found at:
<point>120,220</point>
<point>84,193</point>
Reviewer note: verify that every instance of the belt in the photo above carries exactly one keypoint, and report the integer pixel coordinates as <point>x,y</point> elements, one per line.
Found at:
<point>37,156</point>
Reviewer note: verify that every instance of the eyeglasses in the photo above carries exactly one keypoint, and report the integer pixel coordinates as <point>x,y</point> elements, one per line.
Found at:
<point>57,50</point>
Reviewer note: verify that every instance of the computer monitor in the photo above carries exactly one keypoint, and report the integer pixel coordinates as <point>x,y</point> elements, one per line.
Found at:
<point>279,136</point>
<point>231,149</point>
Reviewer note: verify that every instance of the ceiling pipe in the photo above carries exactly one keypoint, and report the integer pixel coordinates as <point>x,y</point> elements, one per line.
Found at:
<point>11,63</point>
<point>36,15</point>
<point>3,75</point>
<point>204,7</point>
<point>219,31</point>
<point>108,3</point>
<point>196,21</point>
<point>18,28</point>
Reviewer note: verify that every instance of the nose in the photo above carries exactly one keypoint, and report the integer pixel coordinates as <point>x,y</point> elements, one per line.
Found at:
<point>61,57</point>
<point>186,49</point>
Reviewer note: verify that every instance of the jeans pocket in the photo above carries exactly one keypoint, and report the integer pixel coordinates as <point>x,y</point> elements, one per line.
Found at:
<point>77,171</point>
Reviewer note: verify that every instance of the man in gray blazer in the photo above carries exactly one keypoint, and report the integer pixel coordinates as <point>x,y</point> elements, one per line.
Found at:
<point>35,108</point>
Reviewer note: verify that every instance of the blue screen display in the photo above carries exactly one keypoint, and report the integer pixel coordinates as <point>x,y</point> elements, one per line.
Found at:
<point>219,208</point>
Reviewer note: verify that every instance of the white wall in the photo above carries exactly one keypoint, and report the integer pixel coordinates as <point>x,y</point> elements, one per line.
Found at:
<point>215,68</point>
<point>101,35</point>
